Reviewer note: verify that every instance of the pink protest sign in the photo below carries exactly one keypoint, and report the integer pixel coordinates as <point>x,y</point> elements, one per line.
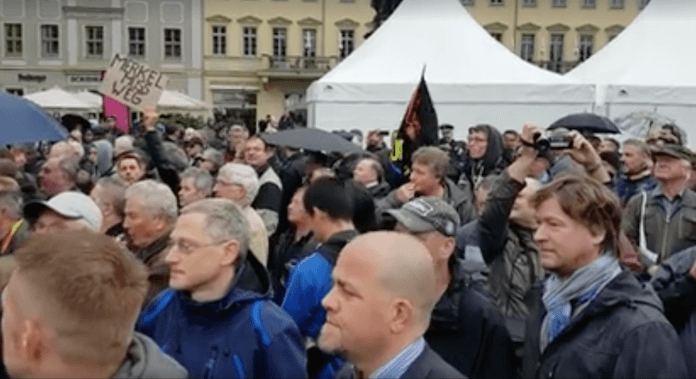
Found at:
<point>119,111</point>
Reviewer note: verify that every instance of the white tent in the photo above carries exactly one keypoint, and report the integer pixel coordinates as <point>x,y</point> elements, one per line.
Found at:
<point>59,100</point>
<point>170,102</point>
<point>472,78</point>
<point>649,67</point>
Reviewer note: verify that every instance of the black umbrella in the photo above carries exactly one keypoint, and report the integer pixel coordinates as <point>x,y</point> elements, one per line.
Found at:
<point>71,121</point>
<point>586,122</point>
<point>311,139</point>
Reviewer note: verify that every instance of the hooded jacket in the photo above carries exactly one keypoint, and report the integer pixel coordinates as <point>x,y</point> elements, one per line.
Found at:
<point>492,163</point>
<point>242,335</point>
<point>144,359</point>
<point>621,334</point>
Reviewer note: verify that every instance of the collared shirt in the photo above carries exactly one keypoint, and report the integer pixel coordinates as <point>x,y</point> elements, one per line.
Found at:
<point>670,206</point>
<point>397,366</point>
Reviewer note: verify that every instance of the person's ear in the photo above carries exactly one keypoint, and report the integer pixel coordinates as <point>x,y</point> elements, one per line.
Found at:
<point>230,253</point>
<point>31,342</point>
<point>401,316</point>
<point>447,248</point>
<point>598,235</point>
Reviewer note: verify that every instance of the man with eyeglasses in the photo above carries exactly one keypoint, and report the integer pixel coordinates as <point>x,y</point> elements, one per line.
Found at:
<point>217,318</point>
<point>466,328</point>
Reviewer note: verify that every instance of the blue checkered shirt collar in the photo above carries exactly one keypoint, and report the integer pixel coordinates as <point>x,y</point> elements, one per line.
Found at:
<point>397,366</point>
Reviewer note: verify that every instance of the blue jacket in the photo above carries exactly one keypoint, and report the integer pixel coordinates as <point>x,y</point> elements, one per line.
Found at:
<point>307,285</point>
<point>242,335</point>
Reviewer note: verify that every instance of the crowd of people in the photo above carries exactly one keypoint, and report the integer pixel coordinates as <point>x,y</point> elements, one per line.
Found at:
<point>168,253</point>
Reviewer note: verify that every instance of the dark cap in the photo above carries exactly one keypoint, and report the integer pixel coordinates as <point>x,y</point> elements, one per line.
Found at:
<point>426,214</point>
<point>675,151</point>
<point>446,126</point>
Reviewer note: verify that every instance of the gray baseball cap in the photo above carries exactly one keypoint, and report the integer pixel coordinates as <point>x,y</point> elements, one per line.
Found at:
<point>71,204</point>
<point>425,214</point>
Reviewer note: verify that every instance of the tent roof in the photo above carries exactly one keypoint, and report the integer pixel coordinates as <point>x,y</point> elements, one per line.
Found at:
<point>169,99</point>
<point>57,98</point>
<point>441,35</point>
<point>657,49</point>
<point>89,98</point>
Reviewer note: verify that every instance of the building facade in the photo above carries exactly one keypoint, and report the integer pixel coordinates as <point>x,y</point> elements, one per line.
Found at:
<point>261,55</point>
<point>554,34</point>
<point>68,43</point>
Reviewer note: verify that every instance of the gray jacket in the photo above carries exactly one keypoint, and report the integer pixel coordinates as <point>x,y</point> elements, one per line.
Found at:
<point>665,234</point>
<point>144,359</point>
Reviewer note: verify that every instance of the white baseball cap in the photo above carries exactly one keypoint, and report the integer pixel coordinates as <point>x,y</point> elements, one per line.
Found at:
<point>71,204</point>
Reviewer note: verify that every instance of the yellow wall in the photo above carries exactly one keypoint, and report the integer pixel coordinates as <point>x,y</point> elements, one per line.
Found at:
<point>233,70</point>
<point>601,21</point>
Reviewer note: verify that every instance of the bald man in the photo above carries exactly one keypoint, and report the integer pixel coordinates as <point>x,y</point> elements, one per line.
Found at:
<point>379,307</point>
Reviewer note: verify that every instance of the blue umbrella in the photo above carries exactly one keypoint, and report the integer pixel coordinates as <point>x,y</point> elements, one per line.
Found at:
<point>23,121</point>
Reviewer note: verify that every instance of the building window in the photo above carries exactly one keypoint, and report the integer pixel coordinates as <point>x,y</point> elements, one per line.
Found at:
<point>13,40</point>
<point>50,41</point>
<point>527,47</point>
<point>496,2</point>
<point>611,36</point>
<point>249,41</point>
<point>558,3</point>
<point>467,2</point>
<point>588,3</point>
<point>136,42</point>
<point>586,46</point>
<point>529,3</point>
<point>95,41</point>
<point>498,36</point>
<point>616,4</point>
<point>309,43</point>
<point>346,43</point>
<point>15,91</point>
<point>556,53</point>
<point>219,40</point>
<point>172,43</point>
<point>280,42</point>
<point>643,3</point>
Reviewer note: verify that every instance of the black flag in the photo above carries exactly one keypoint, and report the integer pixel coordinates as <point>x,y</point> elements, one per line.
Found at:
<point>418,128</point>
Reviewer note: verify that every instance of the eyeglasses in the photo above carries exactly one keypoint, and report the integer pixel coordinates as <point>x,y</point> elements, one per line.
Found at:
<point>187,247</point>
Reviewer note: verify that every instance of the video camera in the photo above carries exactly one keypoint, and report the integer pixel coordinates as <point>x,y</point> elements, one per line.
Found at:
<point>556,139</point>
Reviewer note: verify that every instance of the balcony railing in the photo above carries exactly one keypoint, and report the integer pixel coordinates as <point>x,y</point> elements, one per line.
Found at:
<point>560,67</point>
<point>299,64</point>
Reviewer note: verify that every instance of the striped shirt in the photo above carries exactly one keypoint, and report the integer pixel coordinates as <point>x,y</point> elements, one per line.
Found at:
<point>397,366</point>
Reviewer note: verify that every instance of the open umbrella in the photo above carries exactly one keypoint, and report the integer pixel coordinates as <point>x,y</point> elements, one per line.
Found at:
<point>72,121</point>
<point>640,124</point>
<point>586,122</point>
<point>311,139</point>
<point>23,121</point>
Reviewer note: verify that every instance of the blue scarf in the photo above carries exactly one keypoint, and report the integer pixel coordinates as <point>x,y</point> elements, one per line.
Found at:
<point>583,285</point>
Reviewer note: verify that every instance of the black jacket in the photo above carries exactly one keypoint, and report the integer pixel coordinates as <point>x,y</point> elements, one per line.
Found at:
<point>510,252</point>
<point>468,332</point>
<point>621,334</point>
<point>427,365</point>
<point>677,290</point>
<point>491,164</point>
